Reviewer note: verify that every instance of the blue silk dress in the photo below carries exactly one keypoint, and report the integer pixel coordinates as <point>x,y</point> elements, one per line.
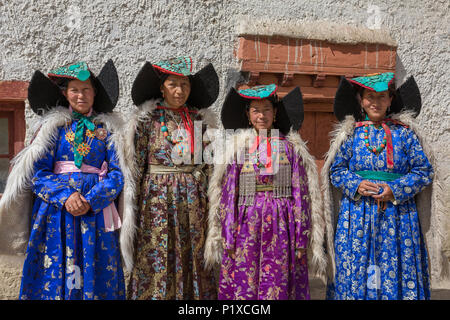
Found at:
<point>380,254</point>
<point>73,257</point>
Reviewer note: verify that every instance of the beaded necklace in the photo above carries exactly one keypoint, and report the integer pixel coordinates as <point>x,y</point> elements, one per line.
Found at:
<point>164,128</point>
<point>179,145</point>
<point>375,150</point>
<point>387,141</point>
<point>179,142</point>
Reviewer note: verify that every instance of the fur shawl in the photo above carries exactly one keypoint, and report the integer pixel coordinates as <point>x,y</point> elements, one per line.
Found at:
<point>129,226</point>
<point>16,202</point>
<point>316,255</point>
<point>431,220</point>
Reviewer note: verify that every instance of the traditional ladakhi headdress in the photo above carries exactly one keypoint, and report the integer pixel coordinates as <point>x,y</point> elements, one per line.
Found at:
<point>45,94</point>
<point>289,109</point>
<point>204,83</point>
<point>407,96</point>
<point>346,103</point>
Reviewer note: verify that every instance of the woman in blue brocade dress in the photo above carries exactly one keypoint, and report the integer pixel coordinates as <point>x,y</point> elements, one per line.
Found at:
<point>76,178</point>
<point>379,248</point>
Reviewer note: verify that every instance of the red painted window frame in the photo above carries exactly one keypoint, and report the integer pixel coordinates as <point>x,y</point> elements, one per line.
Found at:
<point>12,106</point>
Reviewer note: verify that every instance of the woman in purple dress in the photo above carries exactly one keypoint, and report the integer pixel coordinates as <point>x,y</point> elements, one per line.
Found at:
<point>265,214</point>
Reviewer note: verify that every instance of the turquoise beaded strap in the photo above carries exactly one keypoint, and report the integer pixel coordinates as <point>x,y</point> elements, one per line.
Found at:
<point>379,175</point>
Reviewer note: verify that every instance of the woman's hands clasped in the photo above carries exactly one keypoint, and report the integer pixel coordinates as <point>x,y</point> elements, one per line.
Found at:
<point>367,188</point>
<point>77,205</point>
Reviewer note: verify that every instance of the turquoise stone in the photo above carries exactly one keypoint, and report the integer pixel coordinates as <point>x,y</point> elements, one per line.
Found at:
<point>259,92</point>
<point>83,75</point>
<point>377,82</point>
<point>77,70</point>
<point>180,65</point>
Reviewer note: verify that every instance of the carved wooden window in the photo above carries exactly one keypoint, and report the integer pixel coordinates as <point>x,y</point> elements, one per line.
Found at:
<point>314,66</point>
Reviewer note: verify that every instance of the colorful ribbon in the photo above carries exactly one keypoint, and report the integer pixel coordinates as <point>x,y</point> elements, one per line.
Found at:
<point>255,145</point>
<point>83,122</point>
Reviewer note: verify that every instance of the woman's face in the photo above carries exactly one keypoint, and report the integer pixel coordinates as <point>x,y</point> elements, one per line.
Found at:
<point>176,90</point>
<point>81,95</point>
<point>375,104</point>
<point>261,114</point>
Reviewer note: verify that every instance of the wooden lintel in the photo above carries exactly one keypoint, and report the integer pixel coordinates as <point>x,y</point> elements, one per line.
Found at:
<point>253,78</point>
<point>287,79</point>
<point>319,80</point>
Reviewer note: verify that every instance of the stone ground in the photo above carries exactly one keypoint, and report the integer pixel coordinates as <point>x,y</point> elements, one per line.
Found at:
<point>10,272</point>
<point>317,291</point>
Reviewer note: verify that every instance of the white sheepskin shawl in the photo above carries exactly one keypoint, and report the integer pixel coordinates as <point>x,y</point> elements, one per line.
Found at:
<point>129,227</point>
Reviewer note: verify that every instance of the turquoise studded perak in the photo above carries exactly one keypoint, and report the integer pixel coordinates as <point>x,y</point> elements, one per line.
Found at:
<point>78,70</point>
<point>181,66</point>
<point>377,82</point>
<point>258,92</point>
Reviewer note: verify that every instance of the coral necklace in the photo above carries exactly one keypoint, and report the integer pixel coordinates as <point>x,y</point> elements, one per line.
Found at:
<point>374,149</point>
<point>387,141</point>
<point>187,121</point>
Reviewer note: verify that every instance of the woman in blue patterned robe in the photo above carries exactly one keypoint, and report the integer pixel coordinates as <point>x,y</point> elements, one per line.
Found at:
<point>379,248</point>
<point>72,254</point>
<point>62,246</point>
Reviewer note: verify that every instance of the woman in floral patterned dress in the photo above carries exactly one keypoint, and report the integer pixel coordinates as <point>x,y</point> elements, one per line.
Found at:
<point>379,166</point>
<point>265,208</point>
<point>72,173</point>
<point>163,238</point>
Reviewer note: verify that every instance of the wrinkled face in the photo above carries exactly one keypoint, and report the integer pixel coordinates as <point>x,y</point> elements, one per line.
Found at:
<point>176,90</point>
<point>261,114</point>
<point>80,95</point>
<point>375,104</point>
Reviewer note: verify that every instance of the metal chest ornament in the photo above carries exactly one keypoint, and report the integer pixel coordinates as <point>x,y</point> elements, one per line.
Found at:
<point>280,169</point>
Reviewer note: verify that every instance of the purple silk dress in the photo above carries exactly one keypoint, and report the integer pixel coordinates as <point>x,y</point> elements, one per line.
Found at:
<point>264,237</point>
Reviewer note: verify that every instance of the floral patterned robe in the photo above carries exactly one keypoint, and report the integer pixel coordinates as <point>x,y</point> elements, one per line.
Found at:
<point>390,240</point>
<point>73,257</point>
<point>171,221</point>
<point>264,236</point>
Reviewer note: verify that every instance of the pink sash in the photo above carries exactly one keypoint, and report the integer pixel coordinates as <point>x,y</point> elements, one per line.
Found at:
<point>110,214</point>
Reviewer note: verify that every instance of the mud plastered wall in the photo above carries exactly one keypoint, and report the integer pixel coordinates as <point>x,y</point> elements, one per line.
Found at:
<point>45,34</point>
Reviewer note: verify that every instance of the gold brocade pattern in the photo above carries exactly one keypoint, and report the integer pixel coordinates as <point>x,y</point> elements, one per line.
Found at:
<point>171,220</point>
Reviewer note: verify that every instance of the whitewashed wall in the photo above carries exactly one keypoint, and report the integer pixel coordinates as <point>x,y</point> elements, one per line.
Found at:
<point>45,34</point>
